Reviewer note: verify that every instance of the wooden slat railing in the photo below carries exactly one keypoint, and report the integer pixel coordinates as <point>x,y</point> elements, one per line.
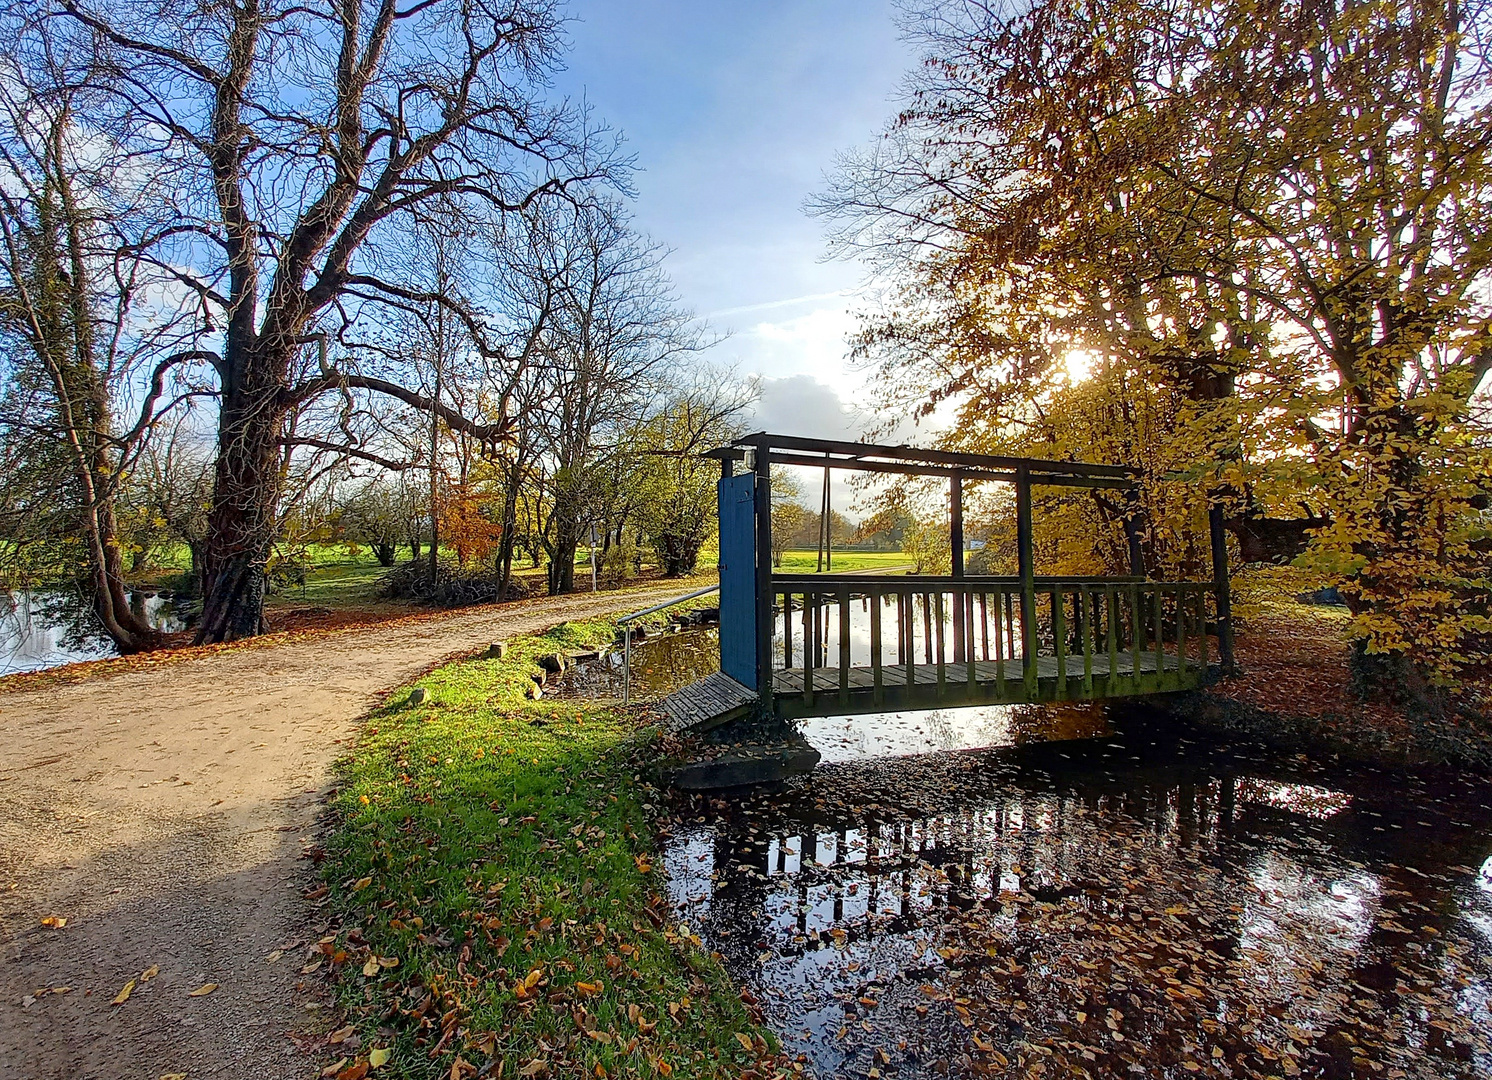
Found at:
<point>1131,635</point>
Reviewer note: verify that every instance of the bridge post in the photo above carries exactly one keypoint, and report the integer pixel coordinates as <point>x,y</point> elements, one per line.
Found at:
<point>956,541</point>
<point>1026,564</point>
<point>762,466</point>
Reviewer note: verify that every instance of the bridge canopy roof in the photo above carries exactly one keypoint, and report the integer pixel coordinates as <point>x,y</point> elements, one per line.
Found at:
<point>919,461</point>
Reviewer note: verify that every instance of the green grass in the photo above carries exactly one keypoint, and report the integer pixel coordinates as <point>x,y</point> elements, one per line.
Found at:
<point>492,864</point>
<point>806,562</point>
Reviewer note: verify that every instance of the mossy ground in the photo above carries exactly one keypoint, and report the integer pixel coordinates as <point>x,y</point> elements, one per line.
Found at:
<point>491,863</point>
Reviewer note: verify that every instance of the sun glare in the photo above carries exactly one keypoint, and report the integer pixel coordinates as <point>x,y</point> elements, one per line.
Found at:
<point>1079,364</point>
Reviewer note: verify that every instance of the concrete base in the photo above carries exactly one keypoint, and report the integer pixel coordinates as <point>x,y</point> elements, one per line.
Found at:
<point>746,765</point>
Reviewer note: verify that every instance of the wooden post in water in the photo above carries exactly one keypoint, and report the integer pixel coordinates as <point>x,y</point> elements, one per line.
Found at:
<point>1222,587</point>
<point>1026,563</point>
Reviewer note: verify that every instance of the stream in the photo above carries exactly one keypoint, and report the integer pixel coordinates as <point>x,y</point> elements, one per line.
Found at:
<point>42,628</point>
<point>1092,892</point>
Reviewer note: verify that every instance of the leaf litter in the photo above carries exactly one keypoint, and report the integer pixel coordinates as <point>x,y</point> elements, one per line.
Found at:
<point>1136,905</point>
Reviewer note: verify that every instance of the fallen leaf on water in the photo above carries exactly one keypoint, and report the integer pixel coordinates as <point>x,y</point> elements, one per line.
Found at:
<point>378,1056</point>
<point>204,990</point>
<point>124,995</point>
<point>54,921</point>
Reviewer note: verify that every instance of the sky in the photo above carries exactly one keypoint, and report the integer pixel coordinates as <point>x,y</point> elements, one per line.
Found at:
<point>735,112</point>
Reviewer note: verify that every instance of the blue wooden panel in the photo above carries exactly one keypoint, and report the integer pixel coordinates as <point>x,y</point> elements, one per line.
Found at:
<point>737,496</point>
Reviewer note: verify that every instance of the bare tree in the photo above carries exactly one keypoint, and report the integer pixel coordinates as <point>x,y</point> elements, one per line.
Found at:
<point>294,143</point>
<point>616,331</point>
<point>82,314</point>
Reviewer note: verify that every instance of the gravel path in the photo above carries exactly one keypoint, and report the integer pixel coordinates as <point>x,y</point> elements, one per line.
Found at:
<point>163,814</point>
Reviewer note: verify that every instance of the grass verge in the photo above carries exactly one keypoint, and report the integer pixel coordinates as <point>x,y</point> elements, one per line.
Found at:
<point>500,914</point>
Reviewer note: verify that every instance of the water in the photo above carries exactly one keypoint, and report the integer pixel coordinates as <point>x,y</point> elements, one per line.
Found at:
<point>661,664</point>
<point>42,628</point>
<point>1121,905</point>
<point>1085,896</point>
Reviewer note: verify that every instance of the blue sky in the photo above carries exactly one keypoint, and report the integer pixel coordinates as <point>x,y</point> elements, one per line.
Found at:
<point>735,112</point>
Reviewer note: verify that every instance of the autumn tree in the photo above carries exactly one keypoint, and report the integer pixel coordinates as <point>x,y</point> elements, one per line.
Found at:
<point>1275,218</point>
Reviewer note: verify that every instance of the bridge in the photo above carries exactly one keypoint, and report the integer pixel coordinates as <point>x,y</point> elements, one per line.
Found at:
<point>827,643</point>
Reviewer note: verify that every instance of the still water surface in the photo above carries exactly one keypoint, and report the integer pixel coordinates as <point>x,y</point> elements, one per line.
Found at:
<point>1091,895</point>
<point>42,628</point>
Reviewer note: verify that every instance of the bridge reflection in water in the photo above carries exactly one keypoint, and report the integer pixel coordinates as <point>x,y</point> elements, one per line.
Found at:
<point>939,913</point>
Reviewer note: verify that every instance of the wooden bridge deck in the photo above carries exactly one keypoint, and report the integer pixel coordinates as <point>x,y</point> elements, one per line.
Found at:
<point>948,684</point>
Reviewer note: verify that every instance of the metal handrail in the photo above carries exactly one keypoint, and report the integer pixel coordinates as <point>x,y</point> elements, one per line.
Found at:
<point>627,637</point>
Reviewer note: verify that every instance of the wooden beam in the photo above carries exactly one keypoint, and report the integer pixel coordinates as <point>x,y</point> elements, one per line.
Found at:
<point>1037,466</point>
<point>908,469</point>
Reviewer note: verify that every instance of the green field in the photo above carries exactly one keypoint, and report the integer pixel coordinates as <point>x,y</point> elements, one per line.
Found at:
<point>806,561</point>
<point>492,860</point>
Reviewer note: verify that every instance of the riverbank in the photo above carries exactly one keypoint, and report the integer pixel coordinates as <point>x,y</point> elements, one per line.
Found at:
<point>1294,690</point>
<point>491,868</point>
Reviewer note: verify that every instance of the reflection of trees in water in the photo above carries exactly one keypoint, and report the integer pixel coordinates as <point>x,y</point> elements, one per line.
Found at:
<point>43,627</point>
<point>1124,872</point>
<point>37,621</point>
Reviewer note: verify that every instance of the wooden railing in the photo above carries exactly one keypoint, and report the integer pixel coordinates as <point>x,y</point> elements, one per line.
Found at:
<point>1133,635</point>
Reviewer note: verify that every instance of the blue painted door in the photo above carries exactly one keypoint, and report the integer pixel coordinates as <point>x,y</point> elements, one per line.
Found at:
<point>737,498</point>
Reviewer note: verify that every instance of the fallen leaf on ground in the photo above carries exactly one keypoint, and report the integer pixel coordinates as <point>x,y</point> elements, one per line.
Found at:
<point>173,1076</point>
<point>371,968</point>
<point>379,1055</point>
<point>204,990</point>
<point>54,921</point>
<point>335,1067</point>
<point>340,1035</point>
<point>149,973</point>
<point>124,995</point>
<point>272,957</point>
<point>744,1040</point>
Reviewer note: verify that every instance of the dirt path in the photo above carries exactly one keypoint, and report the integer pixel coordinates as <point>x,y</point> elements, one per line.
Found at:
<point>163,814</point>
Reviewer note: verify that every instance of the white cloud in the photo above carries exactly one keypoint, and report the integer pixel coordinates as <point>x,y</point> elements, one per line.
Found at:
<point>801,405</point>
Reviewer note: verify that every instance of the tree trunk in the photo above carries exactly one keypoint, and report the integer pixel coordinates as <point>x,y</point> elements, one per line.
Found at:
<point>242,517</point>
<point>562,559</point>
<point>384,553</point>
